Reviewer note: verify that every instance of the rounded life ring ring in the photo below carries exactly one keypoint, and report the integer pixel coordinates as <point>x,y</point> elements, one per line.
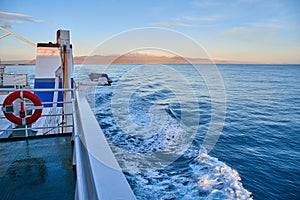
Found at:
<point>38,108</point>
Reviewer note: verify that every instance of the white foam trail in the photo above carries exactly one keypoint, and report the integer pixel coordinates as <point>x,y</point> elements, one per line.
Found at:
<point>204,178</point>
<point>219,180</point>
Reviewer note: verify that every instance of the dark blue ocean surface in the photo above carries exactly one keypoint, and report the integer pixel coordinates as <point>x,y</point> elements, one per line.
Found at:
<point>260,138</point>
<point>258,149</point>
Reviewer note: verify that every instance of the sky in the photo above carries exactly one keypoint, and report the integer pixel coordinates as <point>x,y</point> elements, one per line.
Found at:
<point>255,31</point>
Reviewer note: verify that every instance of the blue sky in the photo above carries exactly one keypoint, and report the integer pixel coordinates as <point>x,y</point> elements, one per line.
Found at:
<point>265,31</point>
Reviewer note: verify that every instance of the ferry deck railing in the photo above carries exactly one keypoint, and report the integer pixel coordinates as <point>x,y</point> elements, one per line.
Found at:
<point>13,80</point>
<point>98,174</point>
<point>41,126</point>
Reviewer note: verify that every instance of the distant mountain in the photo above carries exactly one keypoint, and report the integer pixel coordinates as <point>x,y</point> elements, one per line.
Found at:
<point>132,58</point>
<point>18,62</point>
<point>136,58</point>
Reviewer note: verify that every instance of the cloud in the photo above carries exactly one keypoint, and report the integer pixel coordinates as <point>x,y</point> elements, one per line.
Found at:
<point>267,33</point>
<point>8,19</point>
<point>253,30</point>
<point>269,26</point>
<point>171,24</point>
<point>248,1</point>
<point>207,19</point>
<point>205,3</point>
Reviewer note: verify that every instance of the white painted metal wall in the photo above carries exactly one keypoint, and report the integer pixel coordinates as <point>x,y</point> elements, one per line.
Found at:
<point>99,175</point>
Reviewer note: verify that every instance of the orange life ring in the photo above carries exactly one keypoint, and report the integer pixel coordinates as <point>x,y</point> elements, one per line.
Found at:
<point>22,120</point>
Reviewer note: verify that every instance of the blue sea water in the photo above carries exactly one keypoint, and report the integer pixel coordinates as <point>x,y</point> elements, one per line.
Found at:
<point>261,138</point>
<point>258,149</point>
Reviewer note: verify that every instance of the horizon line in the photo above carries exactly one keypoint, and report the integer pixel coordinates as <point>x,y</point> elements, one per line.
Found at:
<point>140,59</point>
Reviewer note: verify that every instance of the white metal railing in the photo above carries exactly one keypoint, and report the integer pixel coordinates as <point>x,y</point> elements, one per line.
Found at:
<point>13,80</point>
<point>99,175</point>
<point>51,120</point>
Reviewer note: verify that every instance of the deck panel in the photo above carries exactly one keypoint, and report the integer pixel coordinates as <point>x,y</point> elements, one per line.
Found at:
<point>37,168</point>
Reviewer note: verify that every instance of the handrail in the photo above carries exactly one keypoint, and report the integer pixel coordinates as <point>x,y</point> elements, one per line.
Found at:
<point>23,129</point>
<point>96,177</point>
<point>39,90</point>
<point>67,114</point>
<point>50,102</point>
<point>13,80</point>
<point>56,124</point>
<point>81,190</point>
<point>102,175</point>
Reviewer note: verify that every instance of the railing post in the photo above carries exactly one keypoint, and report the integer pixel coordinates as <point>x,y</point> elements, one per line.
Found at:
<point>67,108</point>
<point>26,131</point>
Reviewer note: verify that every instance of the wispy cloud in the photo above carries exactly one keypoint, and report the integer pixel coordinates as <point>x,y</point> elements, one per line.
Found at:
<point>253,28</point>
<point>259,32</point>
<point>171,24</point>
<point>247,1</point>
<point>8,19</point>
<point>203,19</point>
<point>270,26</point>
<point>205,3</point>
